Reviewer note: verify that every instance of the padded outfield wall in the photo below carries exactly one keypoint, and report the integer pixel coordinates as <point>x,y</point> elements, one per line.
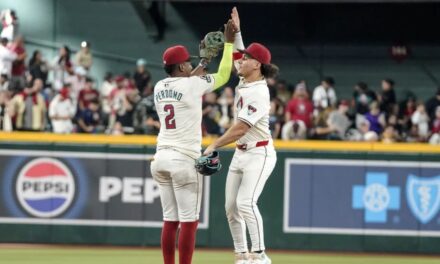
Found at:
<point>82,189</point>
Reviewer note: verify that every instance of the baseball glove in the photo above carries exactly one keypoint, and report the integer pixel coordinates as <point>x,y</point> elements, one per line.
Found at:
<point>208,165</point>
<point>211,44</point>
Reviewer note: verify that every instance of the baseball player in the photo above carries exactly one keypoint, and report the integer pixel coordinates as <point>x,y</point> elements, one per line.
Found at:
<point>178,101</point>
<point>255,157</point>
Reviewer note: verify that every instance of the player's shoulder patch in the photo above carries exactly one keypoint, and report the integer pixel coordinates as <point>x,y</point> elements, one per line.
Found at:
<point>206,78</point>
<point>251,109</point>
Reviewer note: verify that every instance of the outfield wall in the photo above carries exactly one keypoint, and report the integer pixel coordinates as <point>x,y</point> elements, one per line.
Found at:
<point>82,189</point>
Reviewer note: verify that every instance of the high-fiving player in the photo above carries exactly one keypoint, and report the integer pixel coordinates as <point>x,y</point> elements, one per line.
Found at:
<point>178,101</point>
<point>255,156</point>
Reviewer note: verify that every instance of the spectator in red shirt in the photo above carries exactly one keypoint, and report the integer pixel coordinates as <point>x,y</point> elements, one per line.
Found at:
<point>300,107</point>
<point>87,95</point>
<point>18,79</point>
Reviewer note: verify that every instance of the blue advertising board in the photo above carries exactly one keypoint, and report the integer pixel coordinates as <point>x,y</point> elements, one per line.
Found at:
<point>362,197</point>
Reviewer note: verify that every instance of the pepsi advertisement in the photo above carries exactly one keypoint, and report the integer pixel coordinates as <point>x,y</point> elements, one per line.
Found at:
<point>79,188</point>
<point>362,197</point>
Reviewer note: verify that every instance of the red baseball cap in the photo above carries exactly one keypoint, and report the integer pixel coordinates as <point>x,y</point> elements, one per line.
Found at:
<point>175,55</point>
<point>119,78</point>
<point>65,92</point>
<point>259,52</point>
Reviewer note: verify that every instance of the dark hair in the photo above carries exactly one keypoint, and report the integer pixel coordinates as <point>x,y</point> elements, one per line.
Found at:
<point>89,79</point>
<point>66,58</point>
<point>169,69</point>
<point>269,70</point>
<point>4,40</point>
<point>329,80</point>
<point>34,58</point>
<point>108,76</point>
<point>389,81</point>
<point>363,86</point>
<point>4,76</point>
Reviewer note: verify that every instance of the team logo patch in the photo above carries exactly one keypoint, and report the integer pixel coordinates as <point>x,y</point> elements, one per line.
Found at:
<point>45,187</point>
<point>240,103</point>
<point>423,196</point>
<point>251,109</point>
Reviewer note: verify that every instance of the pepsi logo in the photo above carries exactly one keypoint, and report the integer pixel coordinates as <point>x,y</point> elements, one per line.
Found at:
<point>45,187</point>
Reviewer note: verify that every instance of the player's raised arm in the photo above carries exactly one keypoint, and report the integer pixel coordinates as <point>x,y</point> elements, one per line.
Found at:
<point>238,41</point>
<point>224,69</point>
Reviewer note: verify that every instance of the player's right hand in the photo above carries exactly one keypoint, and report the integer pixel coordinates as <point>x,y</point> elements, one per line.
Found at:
<point>229,32</point>
<point>235,19</point>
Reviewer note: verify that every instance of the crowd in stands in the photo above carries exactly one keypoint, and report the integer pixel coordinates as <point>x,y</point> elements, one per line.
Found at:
<point>59,95</point>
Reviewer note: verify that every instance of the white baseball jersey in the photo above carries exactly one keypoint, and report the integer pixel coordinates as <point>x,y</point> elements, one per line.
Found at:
<point>252,102</point>
<point>179,106</point>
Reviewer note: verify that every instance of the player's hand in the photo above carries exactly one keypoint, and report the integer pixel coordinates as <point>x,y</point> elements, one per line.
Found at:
<point>229,32</point>
<point>235,19</point>
<point>209,150</point>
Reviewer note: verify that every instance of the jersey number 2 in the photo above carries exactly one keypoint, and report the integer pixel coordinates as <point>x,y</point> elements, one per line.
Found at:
<point>170,122</point>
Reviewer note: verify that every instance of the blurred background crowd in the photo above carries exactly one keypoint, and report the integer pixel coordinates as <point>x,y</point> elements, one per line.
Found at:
<point>60,95</point>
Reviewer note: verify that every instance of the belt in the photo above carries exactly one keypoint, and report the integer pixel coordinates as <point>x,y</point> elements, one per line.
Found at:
<point>252,145</point>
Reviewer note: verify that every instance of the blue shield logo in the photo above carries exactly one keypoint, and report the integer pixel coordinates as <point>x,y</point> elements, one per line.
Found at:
<point>423,195</point>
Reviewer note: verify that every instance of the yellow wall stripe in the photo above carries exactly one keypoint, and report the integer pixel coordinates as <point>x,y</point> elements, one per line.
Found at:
<point>151,140</point>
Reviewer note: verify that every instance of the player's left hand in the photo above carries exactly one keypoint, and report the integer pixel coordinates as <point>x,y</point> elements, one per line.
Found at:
<point>209,150</point>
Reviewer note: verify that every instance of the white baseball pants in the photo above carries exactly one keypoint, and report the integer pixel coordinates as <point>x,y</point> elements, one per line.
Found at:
<point>180,185</point>
<point>248,173</point>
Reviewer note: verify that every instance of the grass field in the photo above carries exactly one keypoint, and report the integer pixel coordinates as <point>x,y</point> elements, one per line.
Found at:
<point>72,255</point>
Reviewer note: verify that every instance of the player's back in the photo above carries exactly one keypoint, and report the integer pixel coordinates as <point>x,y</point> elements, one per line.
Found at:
<point>178,103</point>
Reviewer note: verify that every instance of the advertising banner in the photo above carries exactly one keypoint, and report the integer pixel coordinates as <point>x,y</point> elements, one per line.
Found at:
<point>363,197</point>
<point>81,188</point>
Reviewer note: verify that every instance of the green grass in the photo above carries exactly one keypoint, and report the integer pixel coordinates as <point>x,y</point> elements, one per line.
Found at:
<point>44,255</point>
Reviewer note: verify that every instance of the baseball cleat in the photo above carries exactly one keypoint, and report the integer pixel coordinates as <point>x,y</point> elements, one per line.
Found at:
<point>259,258</point>
<point>242,258</point>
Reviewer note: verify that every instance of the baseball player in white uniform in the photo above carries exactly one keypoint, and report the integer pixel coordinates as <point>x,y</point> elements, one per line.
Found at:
<point>178,101</point>
<point>255,156</point>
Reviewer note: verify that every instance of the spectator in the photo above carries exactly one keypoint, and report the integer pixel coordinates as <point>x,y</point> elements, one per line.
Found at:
<point>432,104</point>
<point>394,122</point>
<point>375,118</point>
<point>226,102</point>
<point>38,67</point>
<point>387,96</point>
<point>211,114</point>
<point>324,96</point>
<point>406,110</point>
<point>123,100</point>
<point>389,135</point>
<point>89,119</point>
<point>338,121</point>
<point>435,137</point>
<point>83,58</point>
<point>9,21</point>
<point>4,83</point>
<point>61,112</point>
<point>18,78</point>
<point>146,119</point>
<point>77,83</point>
<point>363,97</point>
<point>274,119</point>
<point>7,57</point>
<point>29,109</point>
<point>321,130</point>
<point>283,92</point>
<point>106,88</point>
<point>62,68</point>
<point>420,119</point>
<point>5,118</point>
<point>293,130</point>
<point>141,77</point>
<point>300,108</point>
<point>87,95</point>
